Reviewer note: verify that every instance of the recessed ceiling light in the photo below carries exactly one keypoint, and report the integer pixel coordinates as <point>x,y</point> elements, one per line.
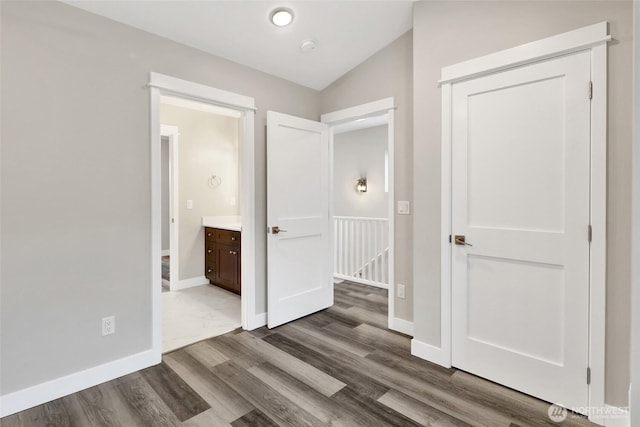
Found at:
<point>281,17</point>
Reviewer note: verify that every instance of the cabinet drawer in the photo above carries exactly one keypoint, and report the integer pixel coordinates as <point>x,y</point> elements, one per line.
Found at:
<point>227,237</point>
<point>209,250</point>
<point>209,234</point>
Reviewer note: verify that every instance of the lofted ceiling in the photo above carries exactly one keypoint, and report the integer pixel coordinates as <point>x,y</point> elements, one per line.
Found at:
<point>347,32</point>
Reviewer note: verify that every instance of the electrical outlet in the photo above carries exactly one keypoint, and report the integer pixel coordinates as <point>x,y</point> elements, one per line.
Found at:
<point>108,325</point>
<point>401,291</point>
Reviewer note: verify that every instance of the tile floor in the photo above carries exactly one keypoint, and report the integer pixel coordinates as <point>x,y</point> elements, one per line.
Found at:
<point>194,314</point>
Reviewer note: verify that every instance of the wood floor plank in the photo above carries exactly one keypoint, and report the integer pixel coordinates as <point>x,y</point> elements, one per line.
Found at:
<point>208,418</point>
<point>255,418</point>
<point>332,316</point>
<point>366,303</point>
<point>341,304</point>
<point>91,408</point>
<point>114,400</point>
<point>304,372</point>
<point>338,369</point>
<point>354,287</point>
<point>263,397</point>
<point>235,351</point>
<point>411,366</point>
<point>370,411</point>
<point>359,315</point>
<point>51,414</point>
<point>391,342</point>
<point>419,412</point>
<point>183,401</point>
<point>224,401</point>
<point>145,405</point>
<point>354,347</point>
<point>207,355</point>
<point>296,391</point>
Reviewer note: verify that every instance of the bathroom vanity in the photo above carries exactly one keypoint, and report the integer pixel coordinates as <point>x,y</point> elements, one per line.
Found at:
<point>222,255</point>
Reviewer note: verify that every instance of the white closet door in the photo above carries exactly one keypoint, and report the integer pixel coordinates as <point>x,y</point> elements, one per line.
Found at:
<point>520,183</point>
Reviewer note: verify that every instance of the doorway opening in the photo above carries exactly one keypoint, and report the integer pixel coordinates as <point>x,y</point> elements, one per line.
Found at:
<point>209,185</point>
<point>200,177</point>
<point>360,201</point>
<point>364,244</point>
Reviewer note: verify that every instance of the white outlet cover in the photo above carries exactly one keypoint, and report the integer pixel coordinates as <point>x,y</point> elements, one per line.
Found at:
<point>404,207</point>
<point>108,325</point>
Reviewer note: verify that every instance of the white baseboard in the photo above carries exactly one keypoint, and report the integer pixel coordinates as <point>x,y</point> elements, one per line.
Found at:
<point>401,325</point>
<point>60,387</point>
<point>430,353</point>
<point>257,321</point>
<point>190,283</point>
<point>166,252</point>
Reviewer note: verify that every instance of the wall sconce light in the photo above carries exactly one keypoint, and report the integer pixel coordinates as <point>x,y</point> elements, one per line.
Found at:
<point>361,185</point>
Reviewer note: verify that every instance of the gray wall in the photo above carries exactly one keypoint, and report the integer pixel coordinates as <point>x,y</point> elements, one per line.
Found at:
<point>208,145</point>
<point>387,73</point>
<point>166,182</point>
<point>635,244</point>
<point>356,154</point>
<point>449,32</point>
<point>75,186</point>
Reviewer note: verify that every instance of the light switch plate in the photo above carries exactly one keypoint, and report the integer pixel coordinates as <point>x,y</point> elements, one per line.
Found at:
<point>404,207</point>
<point>189,204</point>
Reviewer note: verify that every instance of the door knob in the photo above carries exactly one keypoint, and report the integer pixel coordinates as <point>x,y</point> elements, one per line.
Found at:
<point>276,230</point>
<point>460,240</point>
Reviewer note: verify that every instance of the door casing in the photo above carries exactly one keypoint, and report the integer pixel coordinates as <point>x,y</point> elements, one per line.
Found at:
<point>593,38</point>
<point>160,84</point>
<point>386,107</point>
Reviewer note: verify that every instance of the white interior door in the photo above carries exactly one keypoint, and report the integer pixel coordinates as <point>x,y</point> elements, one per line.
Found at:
<point>299,255</point>
<point>520,196</point>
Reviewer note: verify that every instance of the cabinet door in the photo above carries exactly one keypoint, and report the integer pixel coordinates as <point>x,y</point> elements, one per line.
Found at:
<point>228,266</point>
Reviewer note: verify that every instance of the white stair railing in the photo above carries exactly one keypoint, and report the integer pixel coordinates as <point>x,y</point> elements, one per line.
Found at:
<point>361,250</point>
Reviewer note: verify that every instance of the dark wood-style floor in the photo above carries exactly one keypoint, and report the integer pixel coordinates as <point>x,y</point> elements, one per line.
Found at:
<point>338,367</point>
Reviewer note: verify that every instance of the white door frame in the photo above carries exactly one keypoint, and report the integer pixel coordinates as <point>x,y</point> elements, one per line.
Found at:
<point>159,85</point>
<point>173,134</point>
<point>593,38</point>
<point>387,107</point>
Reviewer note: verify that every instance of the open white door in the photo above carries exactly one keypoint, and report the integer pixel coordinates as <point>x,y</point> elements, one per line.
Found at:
<point>520,208</point>
<point>299,277</point>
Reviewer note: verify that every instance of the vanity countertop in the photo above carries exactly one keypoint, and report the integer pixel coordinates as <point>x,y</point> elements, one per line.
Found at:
<point>232,223</point>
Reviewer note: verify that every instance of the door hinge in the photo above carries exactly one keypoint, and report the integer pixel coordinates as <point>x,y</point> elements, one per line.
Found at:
<point>449,238</point>
<point>590,90</point>
<point>590,233</point>
<point>588,376</point>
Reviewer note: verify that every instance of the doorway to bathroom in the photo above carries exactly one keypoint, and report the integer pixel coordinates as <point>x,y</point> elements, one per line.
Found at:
<point>202,193</point>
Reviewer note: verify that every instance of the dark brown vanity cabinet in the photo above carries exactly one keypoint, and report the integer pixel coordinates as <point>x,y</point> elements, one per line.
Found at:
<point>222,258</point>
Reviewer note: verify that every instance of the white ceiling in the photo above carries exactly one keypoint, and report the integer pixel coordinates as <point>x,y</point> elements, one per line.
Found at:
<point>347,31</point>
